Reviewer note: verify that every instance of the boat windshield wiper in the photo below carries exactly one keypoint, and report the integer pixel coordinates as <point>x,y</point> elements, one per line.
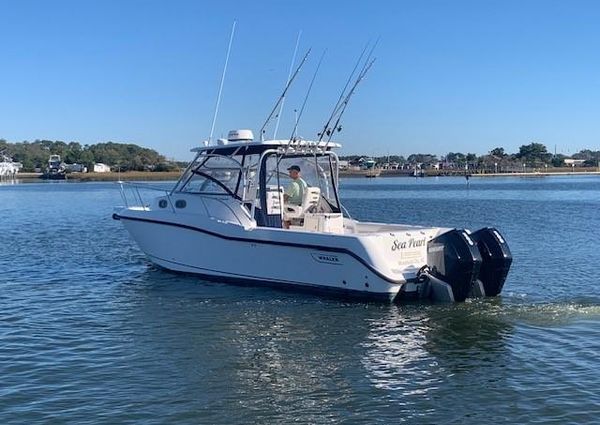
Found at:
<point>217,182</point>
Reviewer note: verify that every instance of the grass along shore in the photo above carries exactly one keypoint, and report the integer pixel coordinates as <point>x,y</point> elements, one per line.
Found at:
<point>174,175</point>
<point>107,177</point>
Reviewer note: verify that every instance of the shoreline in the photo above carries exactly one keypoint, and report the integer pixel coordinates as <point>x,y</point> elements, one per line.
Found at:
<point>453,173</point>
<point>174,175</point>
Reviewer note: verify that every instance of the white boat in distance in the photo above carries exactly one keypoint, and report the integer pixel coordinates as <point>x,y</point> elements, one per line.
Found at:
<point>8,168</point>
<point>225,220</point>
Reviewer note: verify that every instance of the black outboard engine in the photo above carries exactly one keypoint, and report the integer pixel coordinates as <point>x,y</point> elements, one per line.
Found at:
<point>496,260</point>
<point>454,259</point>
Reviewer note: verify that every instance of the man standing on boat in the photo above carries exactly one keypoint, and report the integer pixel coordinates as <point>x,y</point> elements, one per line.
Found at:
<point>295,190</point>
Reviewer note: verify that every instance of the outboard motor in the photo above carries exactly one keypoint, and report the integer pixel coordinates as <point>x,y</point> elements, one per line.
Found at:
<point>496,260</point>
<point>454,261</point>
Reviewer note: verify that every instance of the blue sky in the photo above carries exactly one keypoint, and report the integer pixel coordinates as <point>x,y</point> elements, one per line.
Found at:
<point>461,76</point>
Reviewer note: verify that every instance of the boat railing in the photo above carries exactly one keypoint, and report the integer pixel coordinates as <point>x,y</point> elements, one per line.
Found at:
<point>131,194</point>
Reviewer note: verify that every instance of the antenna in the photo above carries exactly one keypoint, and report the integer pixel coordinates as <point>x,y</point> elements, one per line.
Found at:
<point>212,127</point>
<point>288,80</point>
<point>282,96</point>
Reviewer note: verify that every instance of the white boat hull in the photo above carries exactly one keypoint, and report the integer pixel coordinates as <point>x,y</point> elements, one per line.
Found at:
<point>224,251</point>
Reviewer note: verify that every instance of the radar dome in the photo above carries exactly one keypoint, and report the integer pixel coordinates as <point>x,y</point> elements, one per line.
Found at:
<point>240,136</point>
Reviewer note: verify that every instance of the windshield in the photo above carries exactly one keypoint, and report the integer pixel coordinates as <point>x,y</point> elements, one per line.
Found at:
<point>212,174</point>
<point>218,174</point>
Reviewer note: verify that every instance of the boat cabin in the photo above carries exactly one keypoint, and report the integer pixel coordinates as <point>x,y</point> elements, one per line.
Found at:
<point>257,175</point>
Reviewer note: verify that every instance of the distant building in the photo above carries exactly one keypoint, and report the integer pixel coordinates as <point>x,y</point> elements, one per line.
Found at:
<point>570,162</point>
<point>390,165</point>
<point>344,165</point>
<point>101,168</point>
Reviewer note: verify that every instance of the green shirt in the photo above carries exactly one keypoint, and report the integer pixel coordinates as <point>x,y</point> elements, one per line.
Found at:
<point>295,191</point>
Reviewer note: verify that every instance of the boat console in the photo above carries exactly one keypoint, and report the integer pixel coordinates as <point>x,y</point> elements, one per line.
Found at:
<point>321,222</point>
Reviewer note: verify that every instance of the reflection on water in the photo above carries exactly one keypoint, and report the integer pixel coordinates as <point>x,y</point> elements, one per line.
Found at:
<point>396,354</point>
<point>446,363</point>
<point>425,355</point>
<point>9,182</point>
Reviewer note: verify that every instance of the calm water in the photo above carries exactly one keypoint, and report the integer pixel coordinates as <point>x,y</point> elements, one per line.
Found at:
<point>90,332</point>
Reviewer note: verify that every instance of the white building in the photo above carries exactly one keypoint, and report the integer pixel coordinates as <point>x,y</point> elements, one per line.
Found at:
<point>101,168</point>
<point>574,162</point>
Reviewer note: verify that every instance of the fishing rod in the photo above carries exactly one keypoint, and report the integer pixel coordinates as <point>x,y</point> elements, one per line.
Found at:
<point>326,126</point>
<point>342,107</point>
<point>288,80</point>
<point>306,97</point>
<point>339,103</point>
<point>282,96</point>
<point>346,101</point>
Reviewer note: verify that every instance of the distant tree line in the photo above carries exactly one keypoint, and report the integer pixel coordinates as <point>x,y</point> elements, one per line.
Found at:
<point>533,155</point>
<point>131,157</point>
<point>121,156</point>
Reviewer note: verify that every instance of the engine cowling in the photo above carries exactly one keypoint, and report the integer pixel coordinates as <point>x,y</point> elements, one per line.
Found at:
<point>496,260</point>
<point>453,257</point>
